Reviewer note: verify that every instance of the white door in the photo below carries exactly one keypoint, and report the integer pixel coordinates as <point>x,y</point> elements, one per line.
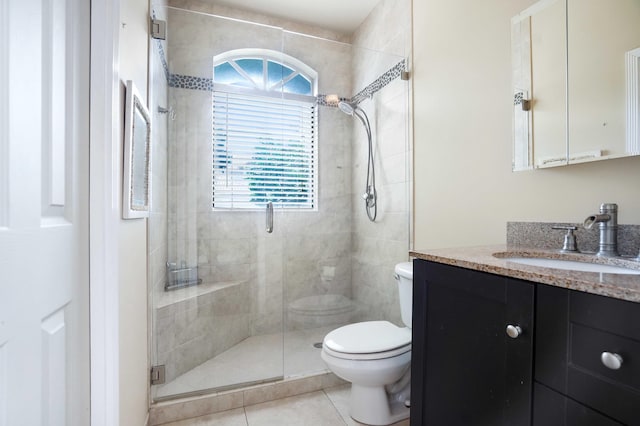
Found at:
<point>44,148</point>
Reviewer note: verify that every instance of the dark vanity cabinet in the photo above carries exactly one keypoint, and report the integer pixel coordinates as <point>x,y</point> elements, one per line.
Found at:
<point>576,364</point>
<point>466,370</point>
<point>577,336</point>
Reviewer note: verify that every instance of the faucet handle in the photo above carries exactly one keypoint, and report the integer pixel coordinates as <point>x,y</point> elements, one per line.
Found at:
<point>570,245</point>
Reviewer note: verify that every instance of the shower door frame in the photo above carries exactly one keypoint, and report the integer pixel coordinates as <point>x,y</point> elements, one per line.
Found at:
<point>216,263</point>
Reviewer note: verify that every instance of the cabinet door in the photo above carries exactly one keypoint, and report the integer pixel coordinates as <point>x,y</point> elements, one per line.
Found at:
<point>466,369</point>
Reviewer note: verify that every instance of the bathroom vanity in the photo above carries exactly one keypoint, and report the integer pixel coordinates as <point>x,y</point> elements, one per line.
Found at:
<point>501,343</point>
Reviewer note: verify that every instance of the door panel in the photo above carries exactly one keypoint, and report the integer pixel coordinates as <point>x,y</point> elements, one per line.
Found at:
<point>44,103</point>
<point>227,331</point>
<point>4,111</point>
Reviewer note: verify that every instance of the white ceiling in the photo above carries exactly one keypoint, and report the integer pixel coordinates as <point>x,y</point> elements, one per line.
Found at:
<point>338,15</point>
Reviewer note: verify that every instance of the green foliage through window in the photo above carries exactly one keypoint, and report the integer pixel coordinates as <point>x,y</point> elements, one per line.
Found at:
<point>264,135</point>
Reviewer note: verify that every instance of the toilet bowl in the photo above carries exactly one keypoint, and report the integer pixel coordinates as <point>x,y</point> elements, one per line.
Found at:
<point>375,356</point>
<point>319,311</point>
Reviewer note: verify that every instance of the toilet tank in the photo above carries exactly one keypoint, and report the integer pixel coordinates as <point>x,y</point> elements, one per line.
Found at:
<point>404,277</point>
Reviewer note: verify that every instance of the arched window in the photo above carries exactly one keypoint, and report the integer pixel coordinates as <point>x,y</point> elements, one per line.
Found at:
<point>264,131</point>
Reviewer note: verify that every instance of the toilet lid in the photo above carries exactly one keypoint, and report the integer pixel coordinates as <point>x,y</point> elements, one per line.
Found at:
<point>404,269</point>
<point>367,337</point>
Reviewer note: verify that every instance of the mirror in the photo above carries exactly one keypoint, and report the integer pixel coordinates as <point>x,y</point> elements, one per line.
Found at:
<point>137,144</point>
<point>576,77</point>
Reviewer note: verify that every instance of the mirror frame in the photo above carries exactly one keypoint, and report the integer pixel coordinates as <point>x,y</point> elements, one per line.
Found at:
<point>137,157</point>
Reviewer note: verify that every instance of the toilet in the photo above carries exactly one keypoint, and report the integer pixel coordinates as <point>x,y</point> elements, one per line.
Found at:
<point>375,356</point>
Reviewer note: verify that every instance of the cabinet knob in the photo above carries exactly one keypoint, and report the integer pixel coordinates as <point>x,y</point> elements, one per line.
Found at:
<point>513,331</point>
<point>611,360</point>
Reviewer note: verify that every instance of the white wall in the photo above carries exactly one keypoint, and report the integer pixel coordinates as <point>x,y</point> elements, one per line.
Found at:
<point>380,43</point>
<point>133,238</point>
<point>465,191</point>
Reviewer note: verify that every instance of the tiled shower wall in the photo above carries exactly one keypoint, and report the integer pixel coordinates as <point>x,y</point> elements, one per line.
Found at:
<point>231,249</point>
<point>380,42</point>
<point>316,246</point>
<point>288,264</point>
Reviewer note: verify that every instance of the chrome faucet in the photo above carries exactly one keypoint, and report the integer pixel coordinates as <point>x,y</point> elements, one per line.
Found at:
<point>570,244</point>
<point>607,220</point>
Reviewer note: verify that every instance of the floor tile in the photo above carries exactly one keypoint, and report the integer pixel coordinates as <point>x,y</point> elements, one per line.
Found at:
<point>311,409</point>
<point>339,397</point>
<point>225,418</point>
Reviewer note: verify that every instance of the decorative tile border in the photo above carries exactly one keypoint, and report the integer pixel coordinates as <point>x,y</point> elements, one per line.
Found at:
<point>190,82</point>
<point>371,89</point>
<point>518,98</point>
<point>322,101</point>
<point>201,83</point>
<point>182,81</point>
<point>380,82</point>
<point>178,80</point>
<point>163,60</point>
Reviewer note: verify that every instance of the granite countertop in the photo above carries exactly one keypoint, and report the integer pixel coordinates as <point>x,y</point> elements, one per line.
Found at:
<point>619,286</point>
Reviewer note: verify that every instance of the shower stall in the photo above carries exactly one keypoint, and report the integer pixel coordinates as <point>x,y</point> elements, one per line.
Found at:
<point>258,240</point>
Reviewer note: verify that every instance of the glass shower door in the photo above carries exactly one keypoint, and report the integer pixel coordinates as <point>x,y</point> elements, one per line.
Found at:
<point>224,332</point>
<point>217,303</point>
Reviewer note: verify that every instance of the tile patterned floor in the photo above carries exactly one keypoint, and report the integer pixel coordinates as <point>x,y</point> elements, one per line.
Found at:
<point>321,408</point>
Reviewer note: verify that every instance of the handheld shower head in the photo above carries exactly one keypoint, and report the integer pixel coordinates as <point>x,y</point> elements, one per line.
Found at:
<point>347,107</point>
<point>353,110</point>
<point>370,195</point>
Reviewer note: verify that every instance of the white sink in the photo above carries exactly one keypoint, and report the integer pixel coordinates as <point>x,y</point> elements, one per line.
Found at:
<point>572,265</point>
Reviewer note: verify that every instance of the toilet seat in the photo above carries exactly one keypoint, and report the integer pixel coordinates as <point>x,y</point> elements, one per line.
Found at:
<point>367,357</point>
<point>368,340</point>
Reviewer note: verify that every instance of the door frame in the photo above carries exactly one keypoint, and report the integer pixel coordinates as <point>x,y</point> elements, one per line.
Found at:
<point>104,214</point>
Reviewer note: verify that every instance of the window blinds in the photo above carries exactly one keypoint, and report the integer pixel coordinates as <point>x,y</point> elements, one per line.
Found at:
<point>264,149</point>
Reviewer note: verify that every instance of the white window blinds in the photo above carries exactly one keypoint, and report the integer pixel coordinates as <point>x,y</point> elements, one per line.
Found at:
<point>264,149</point>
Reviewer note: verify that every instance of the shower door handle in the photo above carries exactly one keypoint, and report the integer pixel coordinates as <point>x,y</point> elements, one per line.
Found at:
<point>269,217</point>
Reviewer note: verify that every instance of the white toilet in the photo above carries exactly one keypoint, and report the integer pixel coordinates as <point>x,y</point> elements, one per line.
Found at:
<point>375,356</point>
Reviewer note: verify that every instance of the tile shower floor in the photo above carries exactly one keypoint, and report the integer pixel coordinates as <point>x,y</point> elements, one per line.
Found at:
<point>321,408</point>
<point>255,358</point>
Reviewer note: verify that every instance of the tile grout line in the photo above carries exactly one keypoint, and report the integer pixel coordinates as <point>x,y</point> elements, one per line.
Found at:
<point>334,407</point>
<point>246,418</point>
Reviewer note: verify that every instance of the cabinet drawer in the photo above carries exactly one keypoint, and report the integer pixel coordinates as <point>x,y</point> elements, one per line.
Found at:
<point>586,347</point>
<point>598,324</point>
<point>613,392</point>
<point>551,408</point>
<point>615,316</point>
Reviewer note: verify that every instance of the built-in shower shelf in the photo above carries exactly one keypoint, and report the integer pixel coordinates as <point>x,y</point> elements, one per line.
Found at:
<point>193,292</point>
